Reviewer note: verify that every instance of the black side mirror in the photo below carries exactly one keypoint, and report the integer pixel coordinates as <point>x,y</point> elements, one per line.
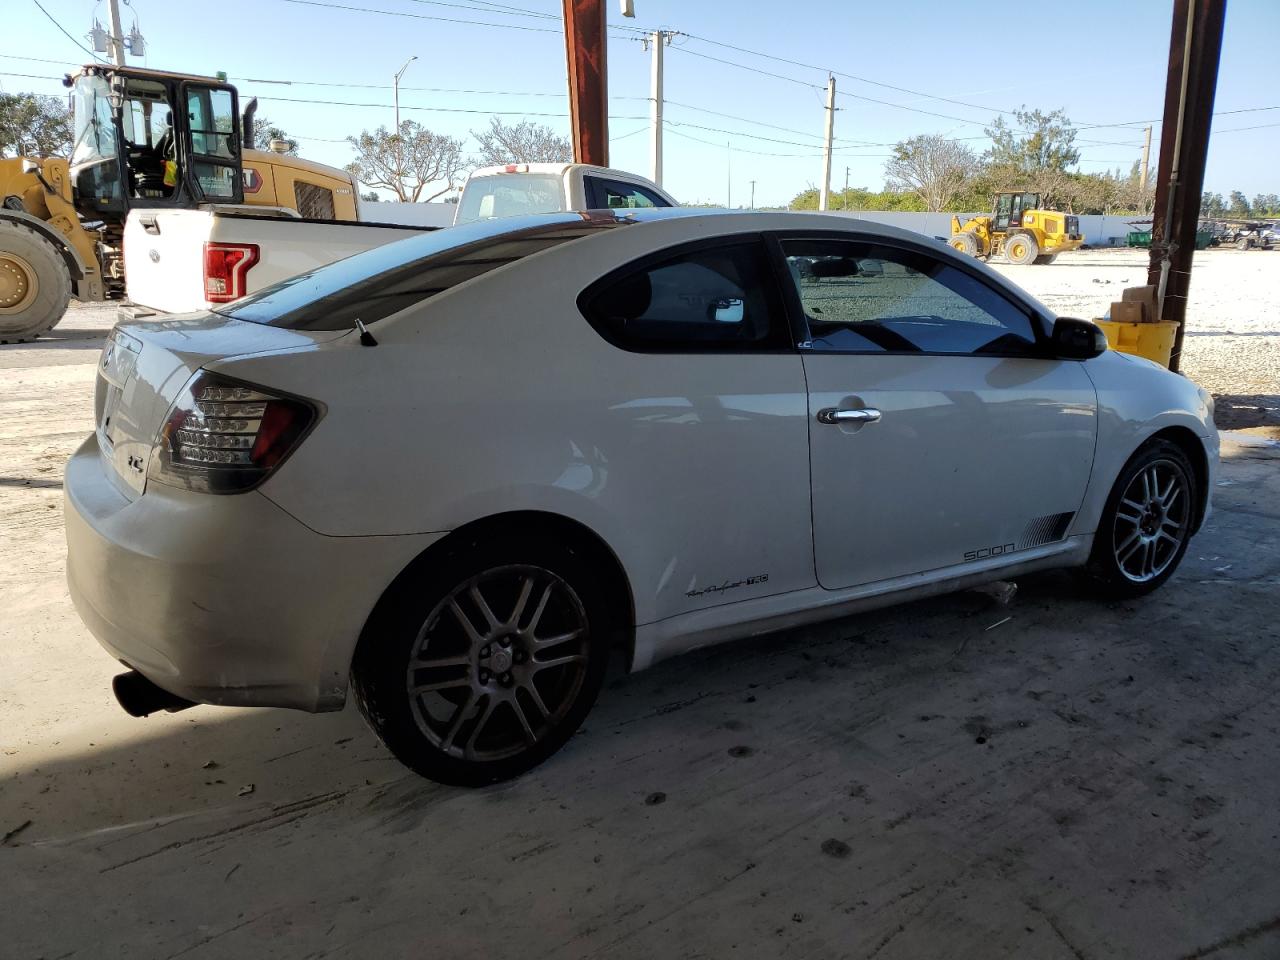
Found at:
<point>1075,339</point>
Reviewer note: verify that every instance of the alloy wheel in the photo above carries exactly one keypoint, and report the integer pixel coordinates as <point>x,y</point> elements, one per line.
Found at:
<point>1152,521</point>
<point>498,663</point>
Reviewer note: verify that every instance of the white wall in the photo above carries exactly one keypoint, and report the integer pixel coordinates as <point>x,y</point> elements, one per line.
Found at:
<point>409,214</point>
<point>1098,230</point>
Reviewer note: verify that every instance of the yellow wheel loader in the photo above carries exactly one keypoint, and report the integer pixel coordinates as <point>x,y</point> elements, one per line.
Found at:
<point>143,139</point>
<point>1018,229</point>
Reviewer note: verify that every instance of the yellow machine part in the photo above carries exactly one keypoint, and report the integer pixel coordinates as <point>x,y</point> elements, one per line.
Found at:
<point>1049,227</point>
<point>314,190</point>
<point>55,208</point>
<point>1151,340</point>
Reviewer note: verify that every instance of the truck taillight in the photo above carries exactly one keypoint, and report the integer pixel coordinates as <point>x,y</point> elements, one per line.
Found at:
<point>224,436</point>
<point>225,267</point>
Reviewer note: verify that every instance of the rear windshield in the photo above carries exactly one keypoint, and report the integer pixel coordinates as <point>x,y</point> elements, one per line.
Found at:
<point>386,279</point>
<point>510,195</point>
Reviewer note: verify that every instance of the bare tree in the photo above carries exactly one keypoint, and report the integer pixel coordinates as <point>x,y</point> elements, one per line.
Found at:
<point>523,142</point>
<point>407,163</point>
<point>932,167</point>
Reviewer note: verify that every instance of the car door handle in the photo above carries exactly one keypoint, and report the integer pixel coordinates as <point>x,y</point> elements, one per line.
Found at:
<point>833,415</point>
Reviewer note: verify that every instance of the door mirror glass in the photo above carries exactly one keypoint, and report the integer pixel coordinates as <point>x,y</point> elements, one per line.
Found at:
<point>726,310</point>
<point>1075,339</point>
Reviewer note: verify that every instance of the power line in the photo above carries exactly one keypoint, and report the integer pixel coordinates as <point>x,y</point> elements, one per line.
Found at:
<point>421,16</point>
<point>64,32</point>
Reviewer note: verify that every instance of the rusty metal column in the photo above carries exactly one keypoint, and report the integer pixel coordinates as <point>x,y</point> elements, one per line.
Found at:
<point>584,41</point>
<point>1194,48</point>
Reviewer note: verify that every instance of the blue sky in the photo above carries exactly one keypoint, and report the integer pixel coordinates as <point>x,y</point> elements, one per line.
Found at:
<point>1103,61</point>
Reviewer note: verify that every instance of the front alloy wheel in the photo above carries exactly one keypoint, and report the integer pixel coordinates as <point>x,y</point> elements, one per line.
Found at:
<point>481,665</point>
<point>1147,522</point>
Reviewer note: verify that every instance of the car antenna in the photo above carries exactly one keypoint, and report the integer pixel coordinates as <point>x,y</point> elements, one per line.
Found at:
<point>366,338</point>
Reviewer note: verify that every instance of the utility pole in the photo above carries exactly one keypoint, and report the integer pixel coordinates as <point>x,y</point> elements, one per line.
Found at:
<point>728,176</point>
<point>658,39</point>
<point>753,194</point>
<point>1146,157</point>
<point>1195,47</point>
<point>844,198</point>
<point>584,42</point>
<point>115,39</point>
<point>824,195</point>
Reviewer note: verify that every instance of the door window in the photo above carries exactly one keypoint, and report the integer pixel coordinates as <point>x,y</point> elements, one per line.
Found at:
<point>706,300</point>
<point>211,114</point>
<point>864,298</point>
<point>616,195</point>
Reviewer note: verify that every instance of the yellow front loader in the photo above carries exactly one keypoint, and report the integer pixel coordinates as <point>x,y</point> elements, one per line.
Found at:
<point>1019,230</point>
<point>143,139</point>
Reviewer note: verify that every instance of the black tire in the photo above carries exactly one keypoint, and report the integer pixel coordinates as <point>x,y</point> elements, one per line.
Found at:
<point>1112,563</point>
<point>469,733</point>
<point>1244,243</point>
<point>35,287</point>
<point>1021,248</point>
<point>1045,259</point>
<point>965,242</point>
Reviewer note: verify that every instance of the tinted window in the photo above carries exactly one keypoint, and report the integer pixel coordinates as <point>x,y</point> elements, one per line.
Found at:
<point>386,279</point>
<point>616,195</point>
<point>510,195</point>
<point>863,298</point>
<point>711,299</point>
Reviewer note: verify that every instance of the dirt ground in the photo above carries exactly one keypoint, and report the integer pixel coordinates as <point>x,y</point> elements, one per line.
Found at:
<point>1058,778</point>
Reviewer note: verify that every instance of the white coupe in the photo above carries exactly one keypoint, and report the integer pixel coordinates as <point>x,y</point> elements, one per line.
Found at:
<point>457,473</point>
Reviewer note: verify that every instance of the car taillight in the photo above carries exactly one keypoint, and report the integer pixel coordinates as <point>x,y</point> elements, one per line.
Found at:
<point>225,267</point>
<point>224,436</point>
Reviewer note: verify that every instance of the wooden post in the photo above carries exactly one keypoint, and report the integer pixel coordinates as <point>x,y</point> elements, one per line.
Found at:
<point>1194,48</point>
<point>584,40</point>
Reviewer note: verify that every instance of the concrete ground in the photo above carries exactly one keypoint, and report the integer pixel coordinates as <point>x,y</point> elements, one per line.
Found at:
<point>1058,778</point>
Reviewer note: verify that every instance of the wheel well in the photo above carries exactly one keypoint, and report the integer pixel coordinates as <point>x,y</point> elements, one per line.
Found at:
<point>528,522</point>
<point>1190,444</point>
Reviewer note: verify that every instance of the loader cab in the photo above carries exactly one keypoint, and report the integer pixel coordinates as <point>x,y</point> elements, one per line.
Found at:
<point>144,138</point>
<point>1010,207</point>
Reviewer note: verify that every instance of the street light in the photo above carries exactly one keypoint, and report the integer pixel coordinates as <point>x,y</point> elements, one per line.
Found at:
<point>395,85</point>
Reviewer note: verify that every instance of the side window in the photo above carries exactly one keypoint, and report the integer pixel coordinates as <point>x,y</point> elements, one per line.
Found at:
<point>863,298</point>
<point>211,115</point>
<point>616,195</point>
<point>707,300</point>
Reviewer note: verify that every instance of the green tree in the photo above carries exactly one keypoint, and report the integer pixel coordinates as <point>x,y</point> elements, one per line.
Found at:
<point>932,167</point>
<point>1212,205</point>
<point>34,125</point>
<point>1239,204</point>
<point>264,131</point>
<point>1035,154</point>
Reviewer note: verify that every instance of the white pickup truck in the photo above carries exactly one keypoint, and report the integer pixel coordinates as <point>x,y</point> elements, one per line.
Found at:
<point>182,260</point>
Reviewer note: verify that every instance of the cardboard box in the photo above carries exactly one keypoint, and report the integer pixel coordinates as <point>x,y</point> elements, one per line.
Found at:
<point>1128,312</point>
<point>1147,297</point>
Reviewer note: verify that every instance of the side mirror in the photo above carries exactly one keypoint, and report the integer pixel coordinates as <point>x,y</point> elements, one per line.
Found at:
<point>1075,339</point>
<point>725,310</point>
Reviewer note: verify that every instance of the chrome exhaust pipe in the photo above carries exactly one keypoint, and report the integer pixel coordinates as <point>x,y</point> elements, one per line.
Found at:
<point>140,697</point>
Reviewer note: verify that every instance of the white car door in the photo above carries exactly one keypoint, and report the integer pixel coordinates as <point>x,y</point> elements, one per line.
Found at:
<point>940,431</point>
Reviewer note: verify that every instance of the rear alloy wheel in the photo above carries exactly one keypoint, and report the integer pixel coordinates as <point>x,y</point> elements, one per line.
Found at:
<point>489,670</point>
<point>35,287</point>
<point>1021,248</point>
<point>1147,522</point>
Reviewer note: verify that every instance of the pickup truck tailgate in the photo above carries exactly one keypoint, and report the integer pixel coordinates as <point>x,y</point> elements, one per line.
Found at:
<point>164,250</point>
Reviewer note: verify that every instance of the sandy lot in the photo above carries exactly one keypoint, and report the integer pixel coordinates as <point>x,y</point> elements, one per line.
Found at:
<point>1058,778</point>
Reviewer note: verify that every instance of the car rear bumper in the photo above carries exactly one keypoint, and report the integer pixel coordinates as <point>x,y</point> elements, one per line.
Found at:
<point>221,599</point>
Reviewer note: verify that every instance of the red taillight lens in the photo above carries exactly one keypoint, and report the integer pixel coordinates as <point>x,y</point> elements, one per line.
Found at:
<point>225,268</point>
<point>223,436</point>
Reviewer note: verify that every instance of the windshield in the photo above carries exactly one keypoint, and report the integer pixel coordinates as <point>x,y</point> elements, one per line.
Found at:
<point>385,280</point>
<point>510,195</point>
<point>95,136</point>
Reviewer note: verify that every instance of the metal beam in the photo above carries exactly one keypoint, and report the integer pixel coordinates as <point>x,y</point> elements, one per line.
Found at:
<point>1194,48</point>
<point>584,40</point>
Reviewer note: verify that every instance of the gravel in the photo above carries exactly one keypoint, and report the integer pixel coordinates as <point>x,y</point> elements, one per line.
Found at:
<point>1232,340</point>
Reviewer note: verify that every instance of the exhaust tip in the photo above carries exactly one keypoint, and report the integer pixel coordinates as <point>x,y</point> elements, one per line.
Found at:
<point>139,697</point>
